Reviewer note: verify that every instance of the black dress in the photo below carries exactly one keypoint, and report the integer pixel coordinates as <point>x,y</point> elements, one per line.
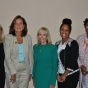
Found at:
<point>2,70</point>
<point>68,57</point>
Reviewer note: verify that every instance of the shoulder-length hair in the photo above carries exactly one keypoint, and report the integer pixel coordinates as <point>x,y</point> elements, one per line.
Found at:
<point>12,30</point>
<point>2,34</point>
<point>46,31</point>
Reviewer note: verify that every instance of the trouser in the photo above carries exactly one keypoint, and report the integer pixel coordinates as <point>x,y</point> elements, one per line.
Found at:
<point>22,78</point>
<point>84,81</point>
<point>2,79</point>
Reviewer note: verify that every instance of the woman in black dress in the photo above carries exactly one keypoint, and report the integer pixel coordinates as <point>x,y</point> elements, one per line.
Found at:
<point>2,56</point>
<point>68,71</point>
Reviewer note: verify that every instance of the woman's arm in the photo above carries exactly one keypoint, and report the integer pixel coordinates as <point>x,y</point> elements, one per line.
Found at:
<point>74,53</point>
<point>8,59</point>
<point>54,65</point>
<point>30,53</point>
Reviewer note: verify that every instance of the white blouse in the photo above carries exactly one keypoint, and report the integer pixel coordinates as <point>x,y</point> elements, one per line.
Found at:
<point>60,65</point>
<point>61,68</point>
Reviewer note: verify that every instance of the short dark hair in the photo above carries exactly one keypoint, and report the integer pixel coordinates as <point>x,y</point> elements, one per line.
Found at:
<point>85,21</point>
<point>68,22</point>
<point>12,30</point>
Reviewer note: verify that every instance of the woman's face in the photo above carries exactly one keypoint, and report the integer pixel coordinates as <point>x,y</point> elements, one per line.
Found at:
<point>64,32</point>
<point>42,37</point>
<point>86,28</point>
<point>18,25</point>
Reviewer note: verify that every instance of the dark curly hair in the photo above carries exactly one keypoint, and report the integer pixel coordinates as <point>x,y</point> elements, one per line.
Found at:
<point>12,30</point>
<point>68,22</point>
<point>85,21</point>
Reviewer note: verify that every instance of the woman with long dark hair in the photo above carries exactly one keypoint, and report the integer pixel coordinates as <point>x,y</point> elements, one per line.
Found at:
<point>18,54</point>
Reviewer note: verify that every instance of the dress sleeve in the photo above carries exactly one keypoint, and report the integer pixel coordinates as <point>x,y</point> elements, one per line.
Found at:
<point>33,72</point>
<point>54,65</point>
<point>79,62</point>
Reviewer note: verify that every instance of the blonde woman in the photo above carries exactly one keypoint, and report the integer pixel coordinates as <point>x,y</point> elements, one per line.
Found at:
<point>2,57</point>
<point>45,60</point>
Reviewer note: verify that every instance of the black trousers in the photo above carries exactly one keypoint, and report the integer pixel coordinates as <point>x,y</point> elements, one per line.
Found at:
<point>2,79</point>
<point>70,82</point>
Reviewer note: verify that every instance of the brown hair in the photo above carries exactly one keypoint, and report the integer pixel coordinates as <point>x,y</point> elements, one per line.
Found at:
<point>12,30</point>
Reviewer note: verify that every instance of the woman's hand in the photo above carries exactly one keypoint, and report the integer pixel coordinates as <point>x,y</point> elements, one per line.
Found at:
<point>63,77</point>
<point>59,78</point>
<point>30,77</point>
<point>33,81</point>
<point>13,78</point>
<point>51,86</point>
<point>84,70</point>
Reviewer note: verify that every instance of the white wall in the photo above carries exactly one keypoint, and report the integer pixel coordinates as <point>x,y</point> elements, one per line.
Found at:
<point>48,13</point>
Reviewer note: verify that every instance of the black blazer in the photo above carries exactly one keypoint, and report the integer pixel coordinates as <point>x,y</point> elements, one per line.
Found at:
<point>2,57</point>
<point>69,55</point>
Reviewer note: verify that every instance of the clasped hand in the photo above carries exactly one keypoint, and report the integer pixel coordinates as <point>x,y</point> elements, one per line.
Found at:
<point>61,78</point>
<point>84,70</point>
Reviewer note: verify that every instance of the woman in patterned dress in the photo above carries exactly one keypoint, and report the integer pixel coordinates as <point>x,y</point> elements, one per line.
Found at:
<point>83,56</point>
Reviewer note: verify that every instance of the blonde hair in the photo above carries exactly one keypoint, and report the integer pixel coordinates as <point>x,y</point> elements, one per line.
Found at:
<point>2,34</point>
<point>44,29</point>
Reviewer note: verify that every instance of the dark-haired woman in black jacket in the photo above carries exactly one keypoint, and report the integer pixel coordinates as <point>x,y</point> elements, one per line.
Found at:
<point>68,71</point>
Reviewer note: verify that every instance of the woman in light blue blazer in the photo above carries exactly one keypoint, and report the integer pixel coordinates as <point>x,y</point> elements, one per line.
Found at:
<point>18,54</point>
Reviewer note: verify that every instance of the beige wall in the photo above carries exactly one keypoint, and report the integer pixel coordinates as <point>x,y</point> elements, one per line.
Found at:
<point>48,13</point>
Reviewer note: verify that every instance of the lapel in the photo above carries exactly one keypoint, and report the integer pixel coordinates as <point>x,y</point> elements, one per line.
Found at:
<point>15,44</point>
<point>24,45</point>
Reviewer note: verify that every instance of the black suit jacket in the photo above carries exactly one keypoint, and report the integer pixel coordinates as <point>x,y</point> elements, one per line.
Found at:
<point>69,55</point>
<point>2,57</point>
